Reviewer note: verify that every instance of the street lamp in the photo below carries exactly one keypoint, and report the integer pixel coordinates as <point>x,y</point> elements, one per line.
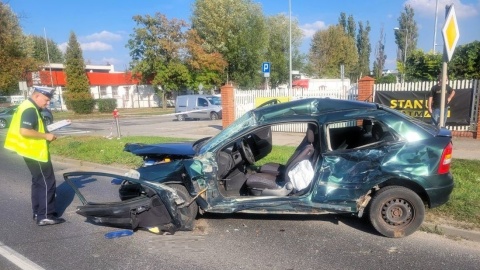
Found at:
<point>290,43</point>
<point>404,53</point>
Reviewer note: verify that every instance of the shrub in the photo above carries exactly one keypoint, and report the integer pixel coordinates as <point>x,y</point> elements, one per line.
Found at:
<point>82,106</point>
<point>106,105</point>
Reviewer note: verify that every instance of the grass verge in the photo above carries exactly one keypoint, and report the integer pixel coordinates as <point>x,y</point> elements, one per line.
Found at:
<point>462,209</point>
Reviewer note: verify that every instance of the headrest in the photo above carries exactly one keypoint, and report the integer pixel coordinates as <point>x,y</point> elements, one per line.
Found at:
<point>310,136</point>
<point>47,91</point>
<point>377,131</point>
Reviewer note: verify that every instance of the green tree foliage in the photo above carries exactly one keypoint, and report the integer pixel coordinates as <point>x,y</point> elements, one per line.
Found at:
<point>157,47</point>
<point>465,63</point>
<point>380,56</point>
<point>14,58</point>
<point>77,95</point>
<point>206,68</point>
<point>407,30</point>
<point>423,66</point>
<point>237,29</point>
<point>329,49</point>
<point>40,50</point>
<point>364,49</point>
<point>278,51</point>
<point>390,78</point>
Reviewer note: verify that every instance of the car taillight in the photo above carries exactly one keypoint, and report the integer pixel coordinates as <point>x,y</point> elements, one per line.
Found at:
<point>446,159</point>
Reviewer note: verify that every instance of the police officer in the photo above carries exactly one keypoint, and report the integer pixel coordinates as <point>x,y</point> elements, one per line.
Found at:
<point>28,137</point>
<point>434,101</point>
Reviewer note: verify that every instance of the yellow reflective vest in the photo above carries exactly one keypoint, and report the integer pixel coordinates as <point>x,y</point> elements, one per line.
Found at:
<point>36,149</point>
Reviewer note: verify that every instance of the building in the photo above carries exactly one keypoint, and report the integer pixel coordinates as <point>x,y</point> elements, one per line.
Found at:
<point>105,82</point>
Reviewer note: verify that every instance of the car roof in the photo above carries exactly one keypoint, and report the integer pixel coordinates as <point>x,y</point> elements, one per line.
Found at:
<point>312,106</point>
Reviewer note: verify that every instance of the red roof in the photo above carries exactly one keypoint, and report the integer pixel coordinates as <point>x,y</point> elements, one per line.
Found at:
<point>100,79</point>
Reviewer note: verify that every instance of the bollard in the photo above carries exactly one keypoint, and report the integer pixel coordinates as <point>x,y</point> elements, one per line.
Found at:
<point>115,116</point>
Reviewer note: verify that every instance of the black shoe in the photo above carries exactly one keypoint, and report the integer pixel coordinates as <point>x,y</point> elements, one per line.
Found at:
<point>50,221</point>
<point>34,216</point>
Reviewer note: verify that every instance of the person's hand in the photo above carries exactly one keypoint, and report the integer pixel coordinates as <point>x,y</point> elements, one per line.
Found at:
<point>50,137</point>
<point>429,110</point>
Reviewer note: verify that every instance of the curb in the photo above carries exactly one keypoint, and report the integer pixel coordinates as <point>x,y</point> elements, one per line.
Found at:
<point>451,232</point>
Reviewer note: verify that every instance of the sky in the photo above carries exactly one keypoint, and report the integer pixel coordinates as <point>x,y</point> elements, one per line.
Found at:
<point>103,27</point>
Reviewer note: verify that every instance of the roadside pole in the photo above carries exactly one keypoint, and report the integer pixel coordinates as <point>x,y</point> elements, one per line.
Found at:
<point>450,37</point>
<point>115,116</point>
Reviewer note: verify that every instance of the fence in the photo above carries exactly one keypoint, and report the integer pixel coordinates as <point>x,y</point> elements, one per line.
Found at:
<point>426,86</point>
<point>246,100</point>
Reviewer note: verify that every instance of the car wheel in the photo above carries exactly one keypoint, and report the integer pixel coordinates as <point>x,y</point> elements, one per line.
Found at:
<point>3,123</point>
<point>188,214</point>
<point>214,116</point>
<point>47,120</point>
<point>181,117</point>
<point>396,211</point>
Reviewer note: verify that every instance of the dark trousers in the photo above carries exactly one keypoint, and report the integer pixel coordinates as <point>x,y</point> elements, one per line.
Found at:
<point>43,188</point>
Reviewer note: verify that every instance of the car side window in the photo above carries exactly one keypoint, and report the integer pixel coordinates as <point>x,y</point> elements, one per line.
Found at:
<point>202,102</point>
<point>358,133</point>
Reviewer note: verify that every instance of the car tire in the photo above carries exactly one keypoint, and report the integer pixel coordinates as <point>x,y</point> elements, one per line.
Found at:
<point>396,211</point>
<point>47,120</point>
<point>188,214</point>
<point>214,116</point>
<point>3,123</point>
<point>181,117</point>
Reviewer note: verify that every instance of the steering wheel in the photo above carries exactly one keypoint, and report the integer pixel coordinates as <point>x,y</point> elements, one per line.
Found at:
<point>246,152</point>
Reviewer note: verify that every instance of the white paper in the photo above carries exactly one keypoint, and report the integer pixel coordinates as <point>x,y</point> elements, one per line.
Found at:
<point>57,125</point>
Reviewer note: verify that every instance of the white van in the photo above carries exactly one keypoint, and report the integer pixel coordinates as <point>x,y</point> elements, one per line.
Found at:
<point>198,107</point>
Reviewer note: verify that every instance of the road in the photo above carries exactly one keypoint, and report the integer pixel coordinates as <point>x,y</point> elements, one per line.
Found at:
<point>218,242</point>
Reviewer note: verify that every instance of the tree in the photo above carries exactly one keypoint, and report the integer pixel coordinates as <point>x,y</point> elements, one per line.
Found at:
<point>237,29</point>
<point>423,66</point>
<point>157,48</point>
<point>407,31</point>
<point>40,50</point>
<point>330,48</point>
<point>206,68</point>
<point>278,50</point>
<point>77,95</point>
<point>14,58</point>
<point>380,56</point>
<point>364,49</point>
<point>465,63</point>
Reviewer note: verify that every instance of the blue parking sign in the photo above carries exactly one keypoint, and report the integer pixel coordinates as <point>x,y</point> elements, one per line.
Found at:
<point>266,67</point>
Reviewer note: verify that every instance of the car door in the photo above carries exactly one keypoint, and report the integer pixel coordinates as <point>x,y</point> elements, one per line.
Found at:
<point>121,201</point>
<point>201,108</point>
<point>346,173</point>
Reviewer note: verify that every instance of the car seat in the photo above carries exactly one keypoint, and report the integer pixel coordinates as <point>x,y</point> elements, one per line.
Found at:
<point>279,183</point>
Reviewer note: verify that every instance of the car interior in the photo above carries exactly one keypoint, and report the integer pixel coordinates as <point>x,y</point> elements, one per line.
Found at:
<point>242,170</point>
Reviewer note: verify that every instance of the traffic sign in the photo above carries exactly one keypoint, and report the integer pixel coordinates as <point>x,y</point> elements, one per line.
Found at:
<point>266,67</point>
<point>450,32</point>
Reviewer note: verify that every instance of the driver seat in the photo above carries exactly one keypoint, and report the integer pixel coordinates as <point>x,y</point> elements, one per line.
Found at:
<point>280,184</point>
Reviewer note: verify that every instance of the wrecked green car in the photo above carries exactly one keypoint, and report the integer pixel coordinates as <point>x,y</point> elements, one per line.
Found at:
<point>351,157</point>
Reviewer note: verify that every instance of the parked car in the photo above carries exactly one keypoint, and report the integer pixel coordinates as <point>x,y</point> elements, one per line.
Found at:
<point>6,115</point>
<point>198,107</point>
<point>356,157</point>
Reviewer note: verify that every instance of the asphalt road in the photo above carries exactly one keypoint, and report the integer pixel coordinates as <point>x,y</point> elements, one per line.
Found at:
<point>218,242</point>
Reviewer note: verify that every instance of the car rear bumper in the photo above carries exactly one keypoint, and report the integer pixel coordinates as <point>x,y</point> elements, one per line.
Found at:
<point>441,194</point>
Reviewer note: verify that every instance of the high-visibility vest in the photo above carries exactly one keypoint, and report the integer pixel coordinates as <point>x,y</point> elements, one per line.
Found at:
<point>36,149</point>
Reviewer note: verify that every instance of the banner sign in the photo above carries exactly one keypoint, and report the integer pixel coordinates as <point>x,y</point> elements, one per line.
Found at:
<point>415,103</point>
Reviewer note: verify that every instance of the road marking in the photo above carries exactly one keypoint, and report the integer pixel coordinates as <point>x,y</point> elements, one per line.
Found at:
<point>18,259</point>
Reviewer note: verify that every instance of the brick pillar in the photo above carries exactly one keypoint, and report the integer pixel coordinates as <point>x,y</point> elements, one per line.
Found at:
<point>365,89</point>
<point>228,105</point>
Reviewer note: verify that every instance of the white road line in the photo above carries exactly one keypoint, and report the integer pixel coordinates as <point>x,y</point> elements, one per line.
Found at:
<point>18,259</point>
